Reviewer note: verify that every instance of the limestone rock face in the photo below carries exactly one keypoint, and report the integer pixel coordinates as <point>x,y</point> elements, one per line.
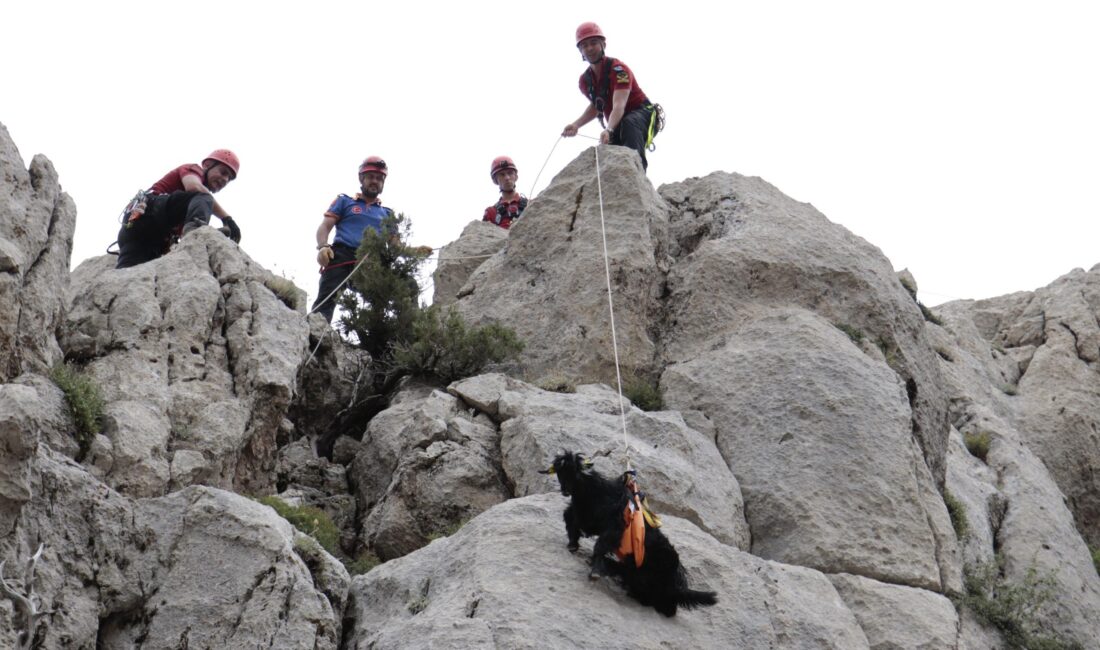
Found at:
<point>1049,344</point>
<point>479,588</point>
<point>479,241</point>
<point>37,221</point>
<point>193,354</point>
<point>201,567</point>
<point>1013,506</point>
<point>893,616</point>
<point>818,434</point>
<point>548,283</point>
<point>742,248</point>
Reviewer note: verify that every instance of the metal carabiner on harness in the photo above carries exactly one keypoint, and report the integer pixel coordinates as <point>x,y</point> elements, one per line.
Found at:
<point>135,208</point>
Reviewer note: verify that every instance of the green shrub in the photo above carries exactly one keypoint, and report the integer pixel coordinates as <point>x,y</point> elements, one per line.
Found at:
<point>445,348</point>
<point>84,400</point>
<point>853,333</point>
<point>1095,558</point>
<point>311,521</point>
<point>978,444</point>
<point>285,290</point>
<point>1012,608</point>
<point>643,394</point>
<point>928,315</point>
<point>360,565</point>
<point>957,510</point>
<point>380,309</point>
<point>557,383</point>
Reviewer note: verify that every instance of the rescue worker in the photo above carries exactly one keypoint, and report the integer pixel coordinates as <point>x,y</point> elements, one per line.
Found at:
<point>613,93</point>
<point>511,205</point>
<point>351,217</point>
<point>178,203</point>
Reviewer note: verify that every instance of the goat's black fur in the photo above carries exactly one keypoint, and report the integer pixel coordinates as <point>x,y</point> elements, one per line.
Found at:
<point>596,509</point>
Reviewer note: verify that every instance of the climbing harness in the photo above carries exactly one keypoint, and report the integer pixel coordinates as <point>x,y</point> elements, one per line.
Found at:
<point>135,208</point>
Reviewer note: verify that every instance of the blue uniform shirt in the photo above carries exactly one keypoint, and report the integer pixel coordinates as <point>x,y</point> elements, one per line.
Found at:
<point>353,216</point>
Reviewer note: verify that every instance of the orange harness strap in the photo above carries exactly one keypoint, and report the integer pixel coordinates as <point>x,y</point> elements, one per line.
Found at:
<point>633,541</point>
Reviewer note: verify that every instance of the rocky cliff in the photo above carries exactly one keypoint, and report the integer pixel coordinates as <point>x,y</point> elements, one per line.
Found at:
<point>816,428</point>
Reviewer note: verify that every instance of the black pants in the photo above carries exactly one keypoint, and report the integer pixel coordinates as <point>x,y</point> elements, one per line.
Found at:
<point>343,261</point>
<point>633,130</point>
<point>165,214</point>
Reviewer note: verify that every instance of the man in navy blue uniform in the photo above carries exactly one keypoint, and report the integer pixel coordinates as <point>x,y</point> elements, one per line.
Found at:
<point>350,217</point>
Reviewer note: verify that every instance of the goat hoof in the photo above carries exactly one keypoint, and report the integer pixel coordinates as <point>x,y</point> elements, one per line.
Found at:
<point>592,575</point>
<point>573,547</point>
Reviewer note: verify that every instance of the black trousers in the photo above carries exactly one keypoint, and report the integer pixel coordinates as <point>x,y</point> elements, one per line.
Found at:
<point>633,130</point>
<point>343,261</point>
<point>165,215</point>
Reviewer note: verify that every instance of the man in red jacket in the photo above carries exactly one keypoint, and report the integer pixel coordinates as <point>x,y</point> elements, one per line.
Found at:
<point>613,93</point>
<point>511,204</point>
<point>178,203</point>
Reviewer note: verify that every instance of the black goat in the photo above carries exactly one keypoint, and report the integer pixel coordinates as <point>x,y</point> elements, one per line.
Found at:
<point>596,508</point>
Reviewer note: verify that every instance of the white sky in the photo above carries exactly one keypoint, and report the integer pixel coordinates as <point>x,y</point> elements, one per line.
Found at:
<point>961,138</point>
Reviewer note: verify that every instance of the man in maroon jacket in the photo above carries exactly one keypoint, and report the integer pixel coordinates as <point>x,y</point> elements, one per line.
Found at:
<point>178,203</point>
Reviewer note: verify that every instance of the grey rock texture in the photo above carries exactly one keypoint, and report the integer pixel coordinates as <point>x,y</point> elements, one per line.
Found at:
<point>479,588</point>
<point>818,434</point>
<point>193,353</point>
<point>895,617</point>
<point>548,281</point>
<point>37,221</point>
<point>479,241</point>
<point>1014,507</point>
<point>200,566</point>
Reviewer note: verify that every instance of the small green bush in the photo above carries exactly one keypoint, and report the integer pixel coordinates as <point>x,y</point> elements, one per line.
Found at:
<point>444,348</point>
<point>928,315</point>
<point>362,564</point>
<point>284,290</point>
<point>853,333</point>
<point>311,521</point>
<point>557,383</point>
<point>643,394</point>
<point>957,510</point>
<point>1008,389</point>
<point>84,400</point>
<point>1096,558</point>
<point>1012,608</point>
<point>978,444</point>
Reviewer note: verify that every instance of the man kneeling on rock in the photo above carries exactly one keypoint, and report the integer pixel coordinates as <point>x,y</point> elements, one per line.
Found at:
<point>178,203</point>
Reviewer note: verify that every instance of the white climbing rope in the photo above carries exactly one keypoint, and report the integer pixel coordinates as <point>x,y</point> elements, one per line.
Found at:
<point>611,310</point>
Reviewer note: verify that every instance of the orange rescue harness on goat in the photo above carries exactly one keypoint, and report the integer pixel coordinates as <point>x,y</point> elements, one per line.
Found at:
<point>633,541</point>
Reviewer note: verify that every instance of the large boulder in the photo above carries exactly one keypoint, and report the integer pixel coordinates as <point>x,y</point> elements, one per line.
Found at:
<point>818,434</point>
<point>37,221</point>
<point>197,359</point>
<point>548,283</point>
<point>743,248</point>
<point>506,580</point>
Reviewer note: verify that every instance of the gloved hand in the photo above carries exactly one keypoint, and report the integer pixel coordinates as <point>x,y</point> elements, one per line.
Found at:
<point>234,230</point>
<point>324,255</point>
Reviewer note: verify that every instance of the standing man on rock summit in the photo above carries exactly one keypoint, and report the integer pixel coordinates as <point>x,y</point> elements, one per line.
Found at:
<point>511,204</point>
<point>178,203</point>
<point>628,117</point>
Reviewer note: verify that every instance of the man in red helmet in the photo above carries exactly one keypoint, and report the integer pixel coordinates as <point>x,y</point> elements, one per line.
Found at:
<point>511,204</point>
<point>350,217</point>
<point>613,93</point>
<point>178,203</point>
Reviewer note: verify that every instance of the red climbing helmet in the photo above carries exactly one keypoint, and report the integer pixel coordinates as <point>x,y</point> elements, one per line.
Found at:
<point>373,164</point>
<point>501,163</point>
<point>588,30</point>
<point>225,157</point>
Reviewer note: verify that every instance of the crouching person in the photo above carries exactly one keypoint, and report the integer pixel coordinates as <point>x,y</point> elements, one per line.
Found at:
<point>178,203</point>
